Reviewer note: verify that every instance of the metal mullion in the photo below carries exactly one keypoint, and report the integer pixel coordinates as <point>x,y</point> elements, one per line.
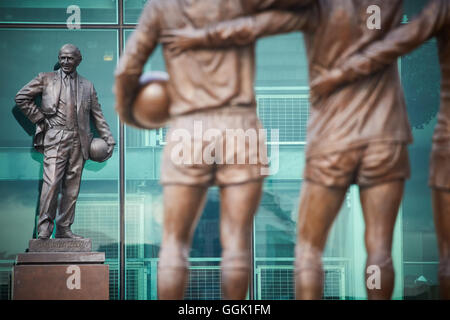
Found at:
<point>62,26</point>
<point>121,172</point>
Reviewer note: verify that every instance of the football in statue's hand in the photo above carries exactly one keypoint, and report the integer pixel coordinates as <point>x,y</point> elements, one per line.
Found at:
<point>98,150</point>
<point>151,106</point>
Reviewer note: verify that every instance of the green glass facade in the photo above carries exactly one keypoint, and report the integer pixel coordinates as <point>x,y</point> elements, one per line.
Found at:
<point>31,33</point>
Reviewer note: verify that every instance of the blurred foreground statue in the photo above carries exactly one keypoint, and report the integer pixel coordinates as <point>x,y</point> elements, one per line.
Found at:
<point>358,135</point>
<point>434,21</point>
<point>63,134</point>
<point>211,94</point>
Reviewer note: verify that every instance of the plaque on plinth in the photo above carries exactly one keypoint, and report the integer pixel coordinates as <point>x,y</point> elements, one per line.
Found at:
<point>60,269</point>
<point>60,245</point>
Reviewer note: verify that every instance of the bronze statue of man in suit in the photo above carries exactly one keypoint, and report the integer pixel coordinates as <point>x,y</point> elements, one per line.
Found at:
<point>64,135</point>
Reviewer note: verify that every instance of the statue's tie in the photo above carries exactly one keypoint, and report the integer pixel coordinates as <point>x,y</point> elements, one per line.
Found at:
<point>70,104</point>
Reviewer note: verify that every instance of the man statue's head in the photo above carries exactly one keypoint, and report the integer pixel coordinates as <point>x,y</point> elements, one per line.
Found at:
<point>69,58</point>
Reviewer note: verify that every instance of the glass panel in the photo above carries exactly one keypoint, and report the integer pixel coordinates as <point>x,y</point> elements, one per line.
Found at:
<point>132,10</point>
<point>281,62</point>
<point>143,212</point>
<point>421,80</point>
<point>275,239</point>
<point>24,53</point>
<point>58,11</point>
<point>283,104</point>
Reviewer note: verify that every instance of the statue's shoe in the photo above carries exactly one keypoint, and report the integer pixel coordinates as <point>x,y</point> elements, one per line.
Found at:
<point>43,236</point>
<point>68,234</point>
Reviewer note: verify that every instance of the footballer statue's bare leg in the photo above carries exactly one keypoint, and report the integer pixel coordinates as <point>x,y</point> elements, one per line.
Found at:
<point>380,204</point>
<point>441,209</point>
<point>183,206</point>
<point>319,206</point>
<point>239,204</point>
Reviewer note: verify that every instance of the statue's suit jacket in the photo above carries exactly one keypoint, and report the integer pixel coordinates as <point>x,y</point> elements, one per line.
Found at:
<point>48,84</point>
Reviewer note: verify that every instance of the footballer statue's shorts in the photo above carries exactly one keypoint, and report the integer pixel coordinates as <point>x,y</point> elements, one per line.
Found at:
<point>368,165</point>
<point>223,146</point>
